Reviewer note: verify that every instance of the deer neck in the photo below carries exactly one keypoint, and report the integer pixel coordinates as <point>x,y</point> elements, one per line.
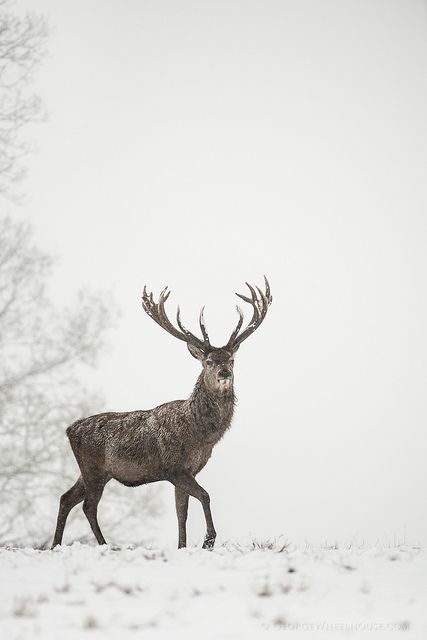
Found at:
<point>212,409</point>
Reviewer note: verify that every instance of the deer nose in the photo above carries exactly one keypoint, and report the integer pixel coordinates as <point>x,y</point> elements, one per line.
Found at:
<point>224,374</point>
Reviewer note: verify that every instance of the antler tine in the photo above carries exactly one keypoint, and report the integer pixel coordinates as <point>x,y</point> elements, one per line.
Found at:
<point>146,300</point>
<point>205,344</point>
<point>164,295</point>
<point>157,312</point>
<point>267,291</point>
<point>178,319</point>
<point>254,302</point>
<point>264,301</point>
<point>165,322</point>
<point>203,327</point>
<point>180,325</point>
<point>260,307</point>
<point>238,327</point>
<point>252,290</point>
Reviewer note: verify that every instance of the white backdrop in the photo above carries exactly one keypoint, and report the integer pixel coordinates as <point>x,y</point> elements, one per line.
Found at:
<point>201,144</point>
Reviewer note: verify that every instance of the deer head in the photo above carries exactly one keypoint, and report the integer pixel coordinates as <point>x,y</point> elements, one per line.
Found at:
<point>217,362</point>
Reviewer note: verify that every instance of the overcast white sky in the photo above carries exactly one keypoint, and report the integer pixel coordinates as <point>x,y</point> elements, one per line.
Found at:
<point>202,144</point>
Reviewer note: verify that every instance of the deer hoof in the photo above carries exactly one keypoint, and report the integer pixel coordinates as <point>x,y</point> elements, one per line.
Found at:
<point>208,543</point>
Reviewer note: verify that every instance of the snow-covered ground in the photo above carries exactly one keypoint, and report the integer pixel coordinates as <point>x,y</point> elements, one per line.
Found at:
<point>235,591</point>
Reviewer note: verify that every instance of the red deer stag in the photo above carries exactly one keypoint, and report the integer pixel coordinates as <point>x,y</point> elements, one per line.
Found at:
<point>172,442</point>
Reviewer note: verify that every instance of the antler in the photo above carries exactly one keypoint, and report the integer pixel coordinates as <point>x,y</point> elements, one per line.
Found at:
<point>156,311</point>
<point>260,306</point>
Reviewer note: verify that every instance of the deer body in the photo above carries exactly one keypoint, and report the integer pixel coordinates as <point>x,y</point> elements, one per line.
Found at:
<point>173,441</point>
<point>140,447</point>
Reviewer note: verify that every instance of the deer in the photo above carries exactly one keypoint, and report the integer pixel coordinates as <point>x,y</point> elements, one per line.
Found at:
<point>172,442</point>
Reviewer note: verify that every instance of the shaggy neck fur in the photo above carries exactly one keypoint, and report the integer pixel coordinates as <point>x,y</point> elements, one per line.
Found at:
<point>212,410</point>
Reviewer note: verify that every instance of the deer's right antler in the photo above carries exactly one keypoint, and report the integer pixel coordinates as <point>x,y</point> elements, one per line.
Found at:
<point>156,311</point>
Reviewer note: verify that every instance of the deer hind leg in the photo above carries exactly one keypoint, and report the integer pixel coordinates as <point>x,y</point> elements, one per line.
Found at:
<point>181,503</point>
<point>68,500</point>
<point>187,484</point>
<point>90,508</point>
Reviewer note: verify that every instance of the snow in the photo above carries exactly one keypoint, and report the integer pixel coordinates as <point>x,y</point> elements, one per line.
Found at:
<point>235,591</point>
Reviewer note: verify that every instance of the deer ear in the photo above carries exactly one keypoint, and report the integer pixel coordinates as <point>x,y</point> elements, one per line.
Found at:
<point>196,352</point>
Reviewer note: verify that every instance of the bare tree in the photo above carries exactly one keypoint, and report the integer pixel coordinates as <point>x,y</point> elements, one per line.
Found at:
<point>42,350</point>
<point>22,47</point>
<point>172,442</point>
<point>39,348</point>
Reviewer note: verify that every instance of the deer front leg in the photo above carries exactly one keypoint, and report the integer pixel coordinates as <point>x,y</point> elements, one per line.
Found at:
<point>187,484</point>
<point>181,503</point>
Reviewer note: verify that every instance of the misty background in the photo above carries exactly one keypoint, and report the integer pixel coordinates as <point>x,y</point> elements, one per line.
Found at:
<point>202,144</point>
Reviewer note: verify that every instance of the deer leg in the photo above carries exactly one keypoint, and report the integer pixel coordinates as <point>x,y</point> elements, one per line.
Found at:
<point>90,508</point>
<point>68,500</point>
<point>186,483</point>
<point>181,503</point>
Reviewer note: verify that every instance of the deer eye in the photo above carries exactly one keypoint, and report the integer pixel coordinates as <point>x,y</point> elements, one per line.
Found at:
<point>209,362</point>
